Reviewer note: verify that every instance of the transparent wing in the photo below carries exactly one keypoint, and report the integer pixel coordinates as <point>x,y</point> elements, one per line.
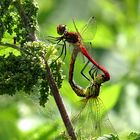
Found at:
<point>88,31</point>
<point>83,122</point>
<point>105,123</point>
<point>90,122</point>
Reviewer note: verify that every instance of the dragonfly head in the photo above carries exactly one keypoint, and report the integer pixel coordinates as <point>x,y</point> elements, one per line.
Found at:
<point>61,29</point>
<point>99,79</point>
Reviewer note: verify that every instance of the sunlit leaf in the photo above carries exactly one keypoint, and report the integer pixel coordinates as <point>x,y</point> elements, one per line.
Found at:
<point>110,94</point>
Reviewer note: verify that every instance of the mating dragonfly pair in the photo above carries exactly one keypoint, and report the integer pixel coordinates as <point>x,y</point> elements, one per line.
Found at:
<point>93,90</point>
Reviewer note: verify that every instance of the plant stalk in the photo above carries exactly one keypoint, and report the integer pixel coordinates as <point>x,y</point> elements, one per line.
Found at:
<point>59,102</point>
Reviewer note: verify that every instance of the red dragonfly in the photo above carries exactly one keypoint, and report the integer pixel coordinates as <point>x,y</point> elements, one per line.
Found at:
<point>76,40</point>
<point>91,124</point>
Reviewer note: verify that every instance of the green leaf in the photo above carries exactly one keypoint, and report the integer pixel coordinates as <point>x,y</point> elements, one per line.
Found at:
<point>110,94</point>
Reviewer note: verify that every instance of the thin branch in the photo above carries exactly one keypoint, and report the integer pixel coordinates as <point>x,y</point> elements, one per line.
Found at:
<point>24,18</point>
<point>14,47</point>
<point>10,45</point>
<point>59,102</point>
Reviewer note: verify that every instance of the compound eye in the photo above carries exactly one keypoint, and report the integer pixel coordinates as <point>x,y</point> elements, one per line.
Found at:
<point>61,29</point>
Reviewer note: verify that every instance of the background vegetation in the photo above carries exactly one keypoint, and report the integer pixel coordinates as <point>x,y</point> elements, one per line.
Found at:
<point>116,47</point>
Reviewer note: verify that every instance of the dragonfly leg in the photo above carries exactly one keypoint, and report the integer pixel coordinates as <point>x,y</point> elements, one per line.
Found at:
<point>82,71</point>
<point>93,71</point>
<point>59,40</point>
<point>54,40</point>
<point>65,50</point>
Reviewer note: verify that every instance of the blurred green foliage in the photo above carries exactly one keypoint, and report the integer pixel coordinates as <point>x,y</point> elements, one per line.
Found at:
<point>116,47</point>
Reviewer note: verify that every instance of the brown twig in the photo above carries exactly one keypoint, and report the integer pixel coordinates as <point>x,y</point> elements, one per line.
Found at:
<point>14,47</point>
<point>25,19</point>
<point>59,103</point>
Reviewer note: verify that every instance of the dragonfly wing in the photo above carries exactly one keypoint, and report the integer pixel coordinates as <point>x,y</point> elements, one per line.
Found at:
<point>76,27</point>
<point>85,122</point>
<point>101,124</point>
<point>105,126</point>
<point>90,122</point>
<point>88,31</point>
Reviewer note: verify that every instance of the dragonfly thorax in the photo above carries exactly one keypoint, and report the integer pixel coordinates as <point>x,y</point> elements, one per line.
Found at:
<point>93,91</point>
<point>71,37</point>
